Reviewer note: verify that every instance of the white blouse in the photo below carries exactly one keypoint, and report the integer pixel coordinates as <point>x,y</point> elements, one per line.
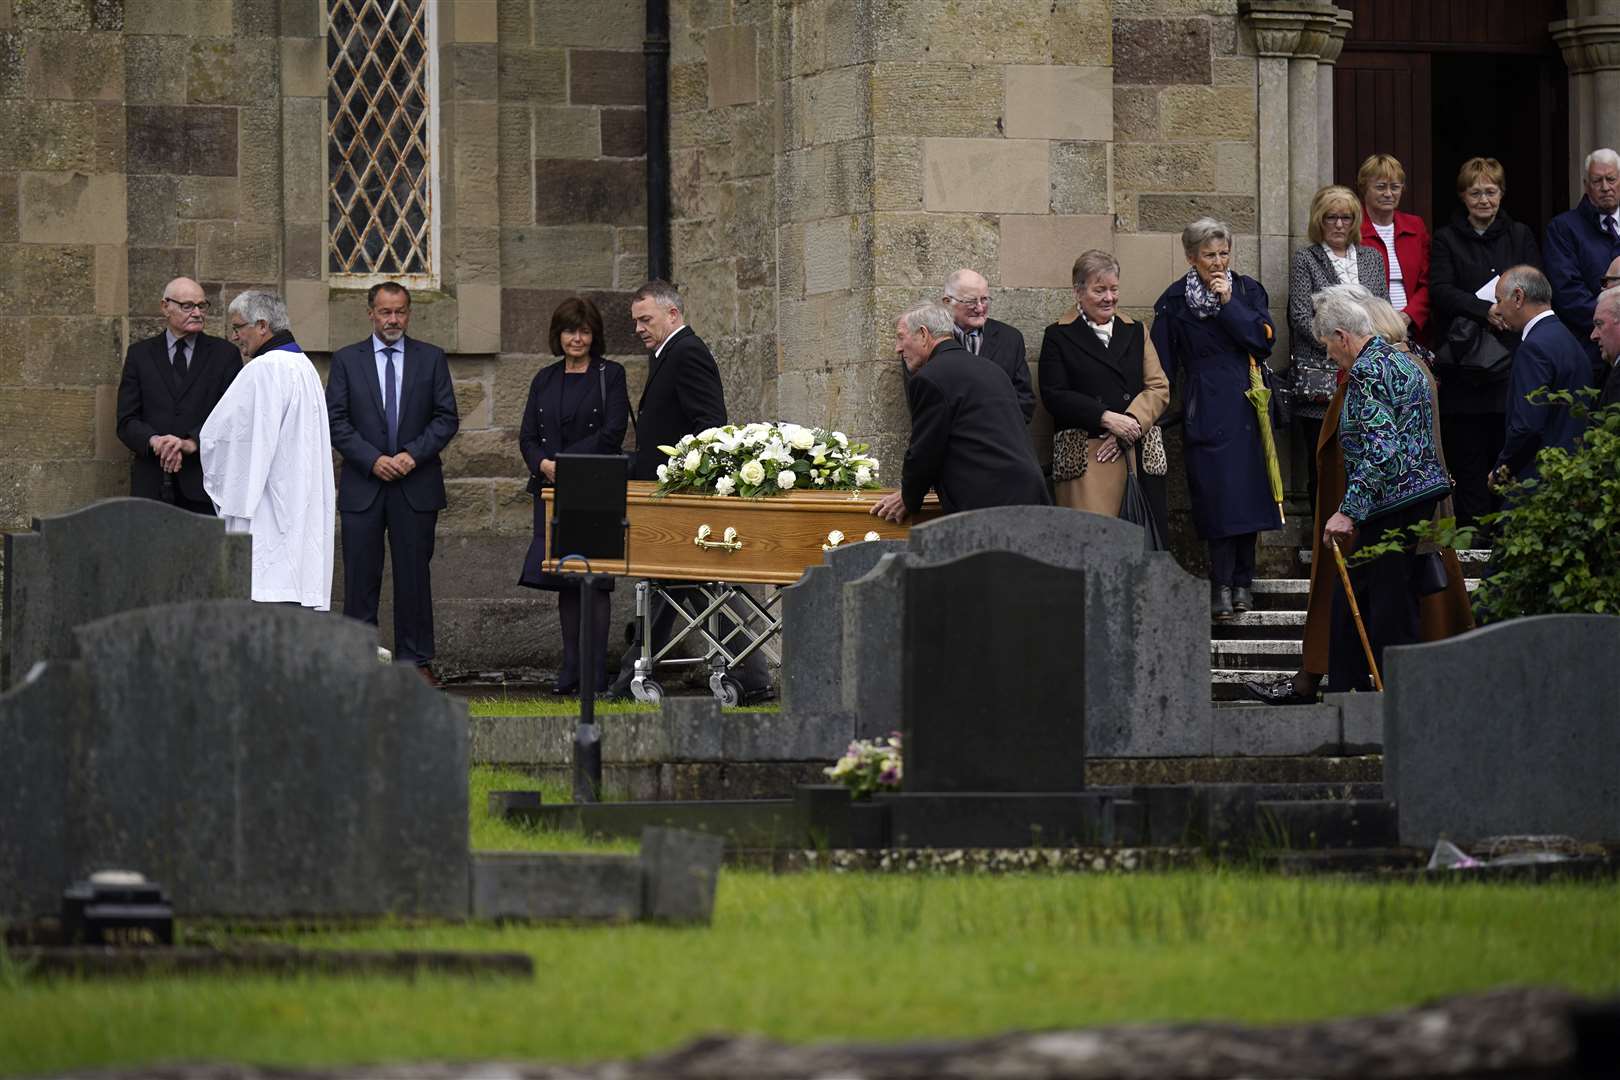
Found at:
<point>1345,267</point>
<point>1397,282</point>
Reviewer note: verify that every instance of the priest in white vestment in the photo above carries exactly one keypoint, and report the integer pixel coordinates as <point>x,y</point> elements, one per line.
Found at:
<point>267,458</point>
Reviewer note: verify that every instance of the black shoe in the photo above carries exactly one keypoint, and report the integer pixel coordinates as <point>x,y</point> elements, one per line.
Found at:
<point>1279,692</point>
<point>1220,602</point>
<point>1242,599</point>
<point>757,695</point>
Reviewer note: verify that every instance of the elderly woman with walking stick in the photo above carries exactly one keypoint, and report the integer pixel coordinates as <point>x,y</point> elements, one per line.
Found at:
<point>1393,480</point>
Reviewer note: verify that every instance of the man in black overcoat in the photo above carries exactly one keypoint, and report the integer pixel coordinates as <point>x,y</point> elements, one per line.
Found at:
<point>171,383</point>
<point>682,396</point>
<point>967,295</point>
<point>1606,332</point>
<point>393,410</point>
<point>967,433</point>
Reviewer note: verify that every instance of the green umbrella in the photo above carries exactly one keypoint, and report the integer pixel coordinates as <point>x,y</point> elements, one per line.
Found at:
<point>1260,398</point>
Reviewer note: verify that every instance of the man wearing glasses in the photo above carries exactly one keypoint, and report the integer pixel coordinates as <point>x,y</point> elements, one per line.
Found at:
<point>171,383</point>
<point>967,295</point>
<point>1580,245</point>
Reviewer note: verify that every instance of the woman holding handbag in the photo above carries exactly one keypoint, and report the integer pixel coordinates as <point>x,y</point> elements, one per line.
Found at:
<point>1207,326</point>
<point>578,405</point>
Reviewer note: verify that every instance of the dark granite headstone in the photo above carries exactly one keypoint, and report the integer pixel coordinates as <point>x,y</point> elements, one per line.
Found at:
<point>256,759</point>
<point>1509,729</point>
<point>556,886</point>
<point>34,867</point>
<point>813,629</point>
<point>978,711</point>
<point>680,869</point>
<point>111,556</point>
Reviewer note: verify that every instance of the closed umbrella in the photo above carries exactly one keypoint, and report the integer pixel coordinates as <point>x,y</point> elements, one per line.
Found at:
<point>1260,398</point>
<point>1135,507</point>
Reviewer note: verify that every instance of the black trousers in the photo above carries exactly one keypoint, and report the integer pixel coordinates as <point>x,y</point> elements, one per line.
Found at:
<point>1472,442</point>
<point>410,549</point>
<point>1231,560</point>
<point>601,612</point>
<point>1310,429</point>
<point>1385,596</point>
<point>752,673</point>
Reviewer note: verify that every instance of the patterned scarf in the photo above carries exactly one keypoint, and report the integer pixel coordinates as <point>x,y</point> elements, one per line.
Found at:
<point>1203,303</point>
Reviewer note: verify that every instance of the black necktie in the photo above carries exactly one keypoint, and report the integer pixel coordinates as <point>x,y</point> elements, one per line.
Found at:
<point>390,399</point>
<point>1608,228</point>
<point>180,358</point>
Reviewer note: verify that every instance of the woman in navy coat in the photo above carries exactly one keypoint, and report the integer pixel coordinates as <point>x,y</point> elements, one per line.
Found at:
<point>1205,327</point>
<point>578,405</point>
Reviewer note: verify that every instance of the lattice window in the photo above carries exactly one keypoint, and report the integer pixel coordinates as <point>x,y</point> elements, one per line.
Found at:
<point>380,144</point>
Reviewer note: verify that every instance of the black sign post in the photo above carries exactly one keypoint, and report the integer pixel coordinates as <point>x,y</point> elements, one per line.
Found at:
<point>589,521</point>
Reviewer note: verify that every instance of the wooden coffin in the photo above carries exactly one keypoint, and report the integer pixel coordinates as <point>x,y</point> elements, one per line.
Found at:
<point>771,541</point>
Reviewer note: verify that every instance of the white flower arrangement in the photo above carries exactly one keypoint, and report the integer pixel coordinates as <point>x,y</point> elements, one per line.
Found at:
<point>755,460</point>
<point>868,766</point>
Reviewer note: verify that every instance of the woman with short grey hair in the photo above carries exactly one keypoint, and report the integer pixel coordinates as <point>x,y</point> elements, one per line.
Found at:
<point>1207,326</point>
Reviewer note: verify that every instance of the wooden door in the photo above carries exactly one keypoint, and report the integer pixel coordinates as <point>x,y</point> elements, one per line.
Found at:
<point>1381,104</point>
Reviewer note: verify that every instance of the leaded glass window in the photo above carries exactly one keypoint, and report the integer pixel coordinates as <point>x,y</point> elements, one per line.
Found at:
<point>380,140</point>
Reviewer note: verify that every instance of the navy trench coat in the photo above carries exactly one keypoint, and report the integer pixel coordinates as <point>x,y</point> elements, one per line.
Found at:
<point>1208,360</point>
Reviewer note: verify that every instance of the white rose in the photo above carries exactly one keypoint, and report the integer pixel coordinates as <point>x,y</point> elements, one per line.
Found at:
<point>785,479</point>
<point>863,475</point>
<point>801,438</point>
<point>663,473</point>
<point>752,473</point>
<point>725,486</point>
<point>693,460</point>
<point>708,434</point>
<point>840,438</point>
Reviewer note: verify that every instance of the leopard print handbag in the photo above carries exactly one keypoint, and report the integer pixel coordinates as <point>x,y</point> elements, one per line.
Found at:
<point>1069,454</point>
<point>1154,460</point>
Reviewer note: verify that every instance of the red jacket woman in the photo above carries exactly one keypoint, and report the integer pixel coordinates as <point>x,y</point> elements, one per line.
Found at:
<point>1380,181</point>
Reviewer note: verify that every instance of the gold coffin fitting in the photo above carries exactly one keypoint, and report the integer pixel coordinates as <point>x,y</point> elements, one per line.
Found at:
<point>728,543</point>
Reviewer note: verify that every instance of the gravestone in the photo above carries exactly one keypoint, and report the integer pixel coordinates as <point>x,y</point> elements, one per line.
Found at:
<point>813,629</point>
<point>1509,729</point>
<point>1145,627</point>
<point>256,759</point>
<point>111,556</point>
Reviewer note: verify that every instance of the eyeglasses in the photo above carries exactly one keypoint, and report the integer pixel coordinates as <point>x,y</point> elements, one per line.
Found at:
<point>238,327</point>
<point>1389,187</point>
<point>188,305</point>
<point>969,301</point>
<point>1483,194</point>
<point>1339,219</point>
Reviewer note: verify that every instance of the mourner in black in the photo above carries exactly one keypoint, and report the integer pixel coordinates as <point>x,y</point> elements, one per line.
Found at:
<point>967,433</point>
<point>967,295</point>
<point>171,383</point>
<point>393,409</point>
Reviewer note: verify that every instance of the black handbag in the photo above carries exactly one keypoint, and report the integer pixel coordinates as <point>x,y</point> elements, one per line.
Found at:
<point>1429,574</point>
<point>1472,352</point>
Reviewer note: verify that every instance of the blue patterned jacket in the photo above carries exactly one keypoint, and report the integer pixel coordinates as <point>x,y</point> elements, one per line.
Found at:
<point>1387,433</point>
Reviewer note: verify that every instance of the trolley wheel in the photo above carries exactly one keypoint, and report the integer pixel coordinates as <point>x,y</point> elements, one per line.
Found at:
<point>727,691</point>
<point>647,690</point>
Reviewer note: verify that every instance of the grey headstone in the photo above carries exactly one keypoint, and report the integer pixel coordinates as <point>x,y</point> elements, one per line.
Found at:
<point>259,761</point>
<point>872,622</point>
<point>679,871</point>
<point>1510,729</point>
<point>111,556</point>
<point>34,740</point>
<point>812,633</point>
<point>556,887</point>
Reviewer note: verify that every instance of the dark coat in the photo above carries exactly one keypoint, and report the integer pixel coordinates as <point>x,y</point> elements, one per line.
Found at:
<point>1462,260</point>
<point>1551,357</point>
<point>427,422</point>
<point>682,396</point>
<point>1005,346</point>
<point>153,401</point>
<point>1578,251</point>
<point>968,440</point>
<point>1611,388</point>
<point>596,427</point>
<point>1209,360</point>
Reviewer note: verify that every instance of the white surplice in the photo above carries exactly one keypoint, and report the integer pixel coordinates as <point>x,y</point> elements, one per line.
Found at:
<point>267,463</point>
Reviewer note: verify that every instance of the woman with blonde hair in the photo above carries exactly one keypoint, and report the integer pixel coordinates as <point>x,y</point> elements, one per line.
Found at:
<point>1400,237</point>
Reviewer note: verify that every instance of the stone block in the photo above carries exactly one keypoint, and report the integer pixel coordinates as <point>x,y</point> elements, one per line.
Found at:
<point>557,257</point>
<point>474,71</point>
<point>112,280</point>
<point>556,887</point>
<point>598,192</point>
<point>679,872</point>
<point>473,403</point>
<point>567,131</point>
<point>238,251</point>
<point>526,328</point>
<point>303,67</point>
<point>515,157</point>
<point>207,198</point>
<point>831,106</point>
<point>732,56</point>
<point>155,70</point>
<point>1047,101</point>
<point>82,67</point>
<point>1148,167</point>
<point>473,21</point>
<point>827,254</point>
<point>47,277</point>
<point>1263,730</point>
<point>309,308</point>
<point>54,14</point>
<point>231,71</point>
<point>624,133</point>
<point>1080,178</point>
<point>983,34</point>
<point>1006,175</point>
<point>924,249</point>
<point>826,180</point>
<point>1081,32</point>
<point>688,87</point>
<point>200,18</point>
<point>72,208</point>
<point>13,61</point>
<point>1208,112</point>
<point>472,256</point>
<point>48,135</point>
<point>1148,262</point>
<point>198,140</point>
<point>1361,720</point>
<point>589,22</point>
<point>76,350</point>
<point>1162,51</point>
<point>934,99</point>
<point>300,18</point>
<point>476,165</point>
<point>1237,168</point>
<point>1136,113</point>
<point>259,164</point>
<point>812,636</point>
<point>1172,213</point>
<point>1490,734</point>
<point>605,77</point>
<point>1039,250</point>
<point>533,75</point>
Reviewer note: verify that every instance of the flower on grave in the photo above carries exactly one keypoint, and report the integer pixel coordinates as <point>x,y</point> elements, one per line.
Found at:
<point>724,486</point>
<point>785,479</point>
<point>868,766</point>
<point>764,459</point>
<point>751,473</point>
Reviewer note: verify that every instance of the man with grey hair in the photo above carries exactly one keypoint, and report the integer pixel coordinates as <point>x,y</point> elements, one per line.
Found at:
<point>1580,244</point>
<point>967,431</point>
<point>967,295</point>
<point>1548,356</point>
<point>1606,332</point>
<point>267,457</point>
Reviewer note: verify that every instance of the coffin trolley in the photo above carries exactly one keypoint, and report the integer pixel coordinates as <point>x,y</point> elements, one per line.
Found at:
<point>696,552</point>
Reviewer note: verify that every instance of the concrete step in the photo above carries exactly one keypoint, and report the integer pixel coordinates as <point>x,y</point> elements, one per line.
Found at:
<point>1263,623</point>
<point>1472,558</point>
<point>1226,683</point>
<point>1271,730</point>
<point>1278,654</point>
<point>1281,594</point>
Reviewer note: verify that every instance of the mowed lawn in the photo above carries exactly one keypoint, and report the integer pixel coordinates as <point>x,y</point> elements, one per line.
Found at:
<point>827,956</point>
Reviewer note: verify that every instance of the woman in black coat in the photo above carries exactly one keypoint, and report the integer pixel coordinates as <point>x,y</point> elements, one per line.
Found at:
<point>578,405</point>
<point>1480,243</point>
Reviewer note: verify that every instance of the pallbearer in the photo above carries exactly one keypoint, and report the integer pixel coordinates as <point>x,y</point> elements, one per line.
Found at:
<point>267,457</point>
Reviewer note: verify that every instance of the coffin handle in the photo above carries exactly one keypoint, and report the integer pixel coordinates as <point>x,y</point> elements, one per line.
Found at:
<point>834,538</point>
<point>728,542</point>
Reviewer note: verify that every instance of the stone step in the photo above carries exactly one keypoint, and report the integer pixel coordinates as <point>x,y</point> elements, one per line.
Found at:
<point>1261,623</point>
<point>1278,654</point>
<point>1469,557</point>
<point>1226,683</point>
<point>1269,730</point>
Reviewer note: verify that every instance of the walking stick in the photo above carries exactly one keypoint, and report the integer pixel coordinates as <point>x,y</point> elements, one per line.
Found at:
<point>1355,613</point>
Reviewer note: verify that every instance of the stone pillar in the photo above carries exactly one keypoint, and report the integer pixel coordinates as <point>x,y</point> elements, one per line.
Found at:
<point>1590,40</point>
<point>1324,95</point>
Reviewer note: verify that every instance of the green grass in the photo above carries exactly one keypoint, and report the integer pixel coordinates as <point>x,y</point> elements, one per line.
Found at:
<point>555,706</point>
<point>823,956</point>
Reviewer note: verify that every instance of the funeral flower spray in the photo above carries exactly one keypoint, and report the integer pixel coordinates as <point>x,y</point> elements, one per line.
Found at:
<point>868,766</point>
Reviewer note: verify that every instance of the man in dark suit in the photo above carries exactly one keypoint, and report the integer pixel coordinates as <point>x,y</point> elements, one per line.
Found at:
<point>393,410</point>
<point>1548,356</point>
<point>171,383</point>
<point>967,295</point>
<point>682,395</point>
<point>1606,332</point>
<point>1580,244</point>
<point>967,435</point>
